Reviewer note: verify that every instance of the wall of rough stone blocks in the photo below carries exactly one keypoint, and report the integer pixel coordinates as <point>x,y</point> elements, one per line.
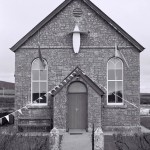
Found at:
<point>97,47</point>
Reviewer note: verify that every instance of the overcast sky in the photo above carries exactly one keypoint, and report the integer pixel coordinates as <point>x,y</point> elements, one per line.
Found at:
<point>17,17</point>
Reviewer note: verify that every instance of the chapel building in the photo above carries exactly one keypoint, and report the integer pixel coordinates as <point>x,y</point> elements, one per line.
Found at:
<point>77,68</point>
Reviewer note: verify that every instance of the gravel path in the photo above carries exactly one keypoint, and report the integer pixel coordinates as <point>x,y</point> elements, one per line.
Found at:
<point>76,142</point>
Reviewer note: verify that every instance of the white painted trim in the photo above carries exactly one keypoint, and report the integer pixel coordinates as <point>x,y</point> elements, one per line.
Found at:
<point>46,81</point>
<point>115,84</point>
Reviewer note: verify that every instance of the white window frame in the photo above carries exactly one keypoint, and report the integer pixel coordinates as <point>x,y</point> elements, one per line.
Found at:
<point>115,83</point>
<point>39,81</point>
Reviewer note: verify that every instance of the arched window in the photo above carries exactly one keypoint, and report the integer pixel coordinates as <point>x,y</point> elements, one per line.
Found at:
<point>39,82</point>
<point>114,81</point>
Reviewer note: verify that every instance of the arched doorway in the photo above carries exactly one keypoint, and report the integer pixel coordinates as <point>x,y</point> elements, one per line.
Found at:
<point>77,106</point>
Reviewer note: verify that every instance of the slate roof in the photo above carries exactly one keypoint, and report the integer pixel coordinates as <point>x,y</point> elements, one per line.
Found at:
<point>93,7</point>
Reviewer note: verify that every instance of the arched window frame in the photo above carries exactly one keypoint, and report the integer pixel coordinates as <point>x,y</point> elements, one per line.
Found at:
<point>121,80</point>
<point>39,69</point>
<point>77,90</point>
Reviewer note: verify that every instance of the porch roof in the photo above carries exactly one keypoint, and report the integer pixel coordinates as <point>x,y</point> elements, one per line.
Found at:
<point>77,72</point>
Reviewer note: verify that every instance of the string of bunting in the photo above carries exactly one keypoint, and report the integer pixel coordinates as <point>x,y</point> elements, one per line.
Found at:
<point>63,83</point>
<point>51,92</point>
<point>121,98</point>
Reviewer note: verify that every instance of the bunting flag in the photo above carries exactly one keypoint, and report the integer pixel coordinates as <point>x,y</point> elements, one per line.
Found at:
<point>20,111</point>
<point>120,55</point>
<point>71,75</point>
<point>42,63</point>
<point>65,81</point>
<point>60,84</point>
<point>124,60</point>
<point>50,92</point>
<point>53,89</point>
<point>57,86</point>
<point>7,117</point>
<point>25,107</point>
<point>117,54</point>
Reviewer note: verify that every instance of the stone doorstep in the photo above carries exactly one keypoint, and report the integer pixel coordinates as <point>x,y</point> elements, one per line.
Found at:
<point>77,131</point>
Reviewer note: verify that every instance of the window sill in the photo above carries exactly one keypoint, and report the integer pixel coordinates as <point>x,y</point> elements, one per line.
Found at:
<point>115,106</point>
<point>38,106</point>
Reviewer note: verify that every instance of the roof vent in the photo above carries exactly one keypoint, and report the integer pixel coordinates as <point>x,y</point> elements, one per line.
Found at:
<point>77,12</point>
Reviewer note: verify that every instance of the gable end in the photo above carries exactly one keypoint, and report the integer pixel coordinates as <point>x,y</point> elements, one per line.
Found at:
<point>93,7</point>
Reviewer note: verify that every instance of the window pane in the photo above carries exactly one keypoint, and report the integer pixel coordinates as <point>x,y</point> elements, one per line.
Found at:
<point>119,91</point>
<point>111,74</point>
<point>35,91</point>
<point>111,91</point>
<point>111,64</point>
<point>118,74</point>
<point>39,73</point>
<point>43,87</point>
<point>36,64</point>
<point>43,75</point>
<point>35,75</point>
<point>77,87</point>
<point>119,64</point>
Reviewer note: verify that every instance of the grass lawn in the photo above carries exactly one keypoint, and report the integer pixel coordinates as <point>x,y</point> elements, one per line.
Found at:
<point>145,121</point>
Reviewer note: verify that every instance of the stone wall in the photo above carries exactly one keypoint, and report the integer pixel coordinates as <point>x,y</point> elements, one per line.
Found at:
<point>97,47</point>
<point>61,107</point>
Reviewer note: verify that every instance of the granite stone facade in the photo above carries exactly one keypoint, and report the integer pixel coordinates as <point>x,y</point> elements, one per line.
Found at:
<point>97,47</point>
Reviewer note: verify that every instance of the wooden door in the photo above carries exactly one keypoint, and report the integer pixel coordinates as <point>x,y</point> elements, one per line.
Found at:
<point>77,110</point>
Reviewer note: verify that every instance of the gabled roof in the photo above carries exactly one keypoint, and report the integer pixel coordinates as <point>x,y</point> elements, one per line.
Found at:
<point>77,72</point>
<point>93,7</point>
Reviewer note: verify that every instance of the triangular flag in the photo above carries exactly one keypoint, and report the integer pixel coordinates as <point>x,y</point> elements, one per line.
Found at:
<point>83,73</point>
<point>20,111</point>
<point>7,117</point>
<point>57,86</point>
<point>61,84</point>
<point>69,78</point>
<point>13,113</point>
<point>50,92</point>
<point>65,81</point>
<point>124,60</point>
<point>25,107</point>
<point>120,55</point>
<point>42,63</point>
<point>117,54</point>
<point>71,75</point>
<point>74,72</point>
